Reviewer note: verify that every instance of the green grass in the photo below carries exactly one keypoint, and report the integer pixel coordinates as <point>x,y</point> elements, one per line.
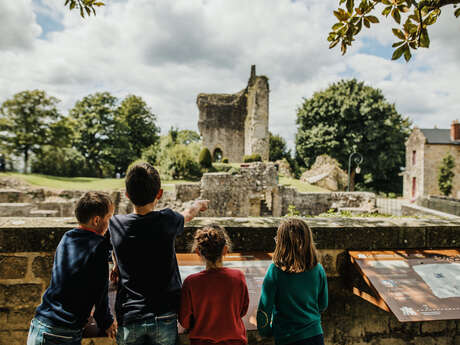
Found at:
<point>299,185</point>
<point>94,183</point>
<point>79,183</point>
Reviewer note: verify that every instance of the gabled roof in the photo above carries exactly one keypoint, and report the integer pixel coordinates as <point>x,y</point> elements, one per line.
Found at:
<point>438,136</point>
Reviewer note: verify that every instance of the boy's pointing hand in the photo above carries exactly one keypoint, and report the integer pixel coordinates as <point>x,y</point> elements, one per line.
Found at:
<point>202,204</point>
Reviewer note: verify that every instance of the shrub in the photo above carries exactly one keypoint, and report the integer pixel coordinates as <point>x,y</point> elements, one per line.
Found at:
<point>205,158</point>
<point>252,158</point>
<point>58,161</point>
<point>151,154</point>
<point>183,165</point>
<point>446,174</point>
<point>225,160</point>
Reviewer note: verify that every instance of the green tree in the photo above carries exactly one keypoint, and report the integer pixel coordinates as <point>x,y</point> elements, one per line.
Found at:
<point>95,116</point>
<point>187,136</point>
<point>446,174</point>
<point>135,130</point>
<point>25,122</point>
<point>59,161</point>
<point>278,148</point>
<point>350,116</point>
<point>410,34</point>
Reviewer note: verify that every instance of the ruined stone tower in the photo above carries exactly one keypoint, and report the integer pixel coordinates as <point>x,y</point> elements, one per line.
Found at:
<point>235,125</point>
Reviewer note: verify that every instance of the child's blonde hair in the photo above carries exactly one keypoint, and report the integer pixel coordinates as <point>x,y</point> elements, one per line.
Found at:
<point>295,250</point>
<point>210,241</point>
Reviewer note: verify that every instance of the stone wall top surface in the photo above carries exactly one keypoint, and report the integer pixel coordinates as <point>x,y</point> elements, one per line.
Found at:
<point>256,234</point>
<point>248,222</point>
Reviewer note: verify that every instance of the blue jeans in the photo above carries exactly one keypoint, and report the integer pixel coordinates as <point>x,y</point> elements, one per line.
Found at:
<point>159,330</point>
<point>42,334</point>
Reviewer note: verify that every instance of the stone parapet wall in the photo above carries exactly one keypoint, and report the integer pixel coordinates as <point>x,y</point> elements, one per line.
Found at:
<point>27,246</point>
<point>411,210</point>
<point>447,205</point>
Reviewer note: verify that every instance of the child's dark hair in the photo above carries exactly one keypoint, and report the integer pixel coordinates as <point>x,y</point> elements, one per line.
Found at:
<point>92,204</point>
<point>210,242</point>
<point>142,183</point>
<point>295,250</point>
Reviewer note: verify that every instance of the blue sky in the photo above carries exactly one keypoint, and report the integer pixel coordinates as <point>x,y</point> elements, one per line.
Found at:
<point>169,51</point>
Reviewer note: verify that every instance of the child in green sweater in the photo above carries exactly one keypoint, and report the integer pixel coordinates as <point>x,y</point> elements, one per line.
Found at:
<point>294,291</point>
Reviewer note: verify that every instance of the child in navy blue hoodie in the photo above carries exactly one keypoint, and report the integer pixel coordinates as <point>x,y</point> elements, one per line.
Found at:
<point>79,279</point>
<point>149,283</point>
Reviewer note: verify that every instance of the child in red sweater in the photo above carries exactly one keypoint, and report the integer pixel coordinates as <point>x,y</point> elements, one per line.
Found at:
<point>214,300</point>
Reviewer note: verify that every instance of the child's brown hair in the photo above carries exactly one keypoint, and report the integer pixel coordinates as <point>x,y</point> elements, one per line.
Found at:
<point>210,241</point>
<point>92,204</point>
<point>142,183</point>
<point>295,250</point>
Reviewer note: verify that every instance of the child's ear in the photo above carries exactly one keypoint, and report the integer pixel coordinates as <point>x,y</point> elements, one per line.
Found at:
<point>159,194</point>
<point>95,221</point>
<point>225,250</point>
<point>197,252</point>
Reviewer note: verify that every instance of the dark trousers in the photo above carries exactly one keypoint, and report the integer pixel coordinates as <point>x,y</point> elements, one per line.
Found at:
<point>316,340</point>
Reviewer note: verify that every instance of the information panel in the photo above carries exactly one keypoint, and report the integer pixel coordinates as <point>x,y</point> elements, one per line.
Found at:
<point>416,285</point>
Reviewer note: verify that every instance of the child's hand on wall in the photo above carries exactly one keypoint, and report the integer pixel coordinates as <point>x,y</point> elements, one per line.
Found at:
<point>112,330</point>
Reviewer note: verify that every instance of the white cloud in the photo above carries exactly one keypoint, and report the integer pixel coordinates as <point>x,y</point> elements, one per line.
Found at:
<point>169,51</point>
<point>17,25</point>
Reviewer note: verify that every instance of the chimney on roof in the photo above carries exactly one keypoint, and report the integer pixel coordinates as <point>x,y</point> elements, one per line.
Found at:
<point>455,131</point>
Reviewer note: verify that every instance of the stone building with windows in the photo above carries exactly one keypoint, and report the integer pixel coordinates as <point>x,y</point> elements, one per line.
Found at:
<point>425,150</point>
<point>235,125</point>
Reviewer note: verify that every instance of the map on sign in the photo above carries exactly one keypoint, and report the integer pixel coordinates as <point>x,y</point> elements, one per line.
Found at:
<point>254,267</point>
<point>416,285</point>
<point>443,279</point>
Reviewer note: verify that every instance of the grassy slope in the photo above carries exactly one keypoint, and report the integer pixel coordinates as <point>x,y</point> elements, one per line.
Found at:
<point>299,185</point>
<point>93,183</point>
<point>77,183</point>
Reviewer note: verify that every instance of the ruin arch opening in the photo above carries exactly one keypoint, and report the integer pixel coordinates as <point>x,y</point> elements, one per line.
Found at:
<point>217,155</point>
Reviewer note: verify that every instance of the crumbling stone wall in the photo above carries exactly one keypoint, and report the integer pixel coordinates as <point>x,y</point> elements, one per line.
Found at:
<point>236,124</point>
<point>27,247</point>
<point>314,203</point>
<point>221,123</point>
<point>249,192</point>
<point>256,138</point>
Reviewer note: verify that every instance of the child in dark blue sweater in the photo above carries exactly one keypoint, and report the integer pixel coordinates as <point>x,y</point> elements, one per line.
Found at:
<point>79,279</point>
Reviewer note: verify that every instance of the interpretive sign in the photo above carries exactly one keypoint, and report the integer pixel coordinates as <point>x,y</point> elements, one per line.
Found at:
<point>254,267</point>
<point>415,285</point>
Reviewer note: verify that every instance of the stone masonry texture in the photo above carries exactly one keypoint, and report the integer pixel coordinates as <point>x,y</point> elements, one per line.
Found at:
<point>348,319</point>
<point>236,124</point>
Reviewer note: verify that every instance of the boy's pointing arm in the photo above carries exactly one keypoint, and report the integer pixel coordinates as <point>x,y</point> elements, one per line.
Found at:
<point>197,207</point>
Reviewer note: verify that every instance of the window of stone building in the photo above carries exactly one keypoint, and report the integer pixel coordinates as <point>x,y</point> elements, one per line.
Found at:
<point>414,187</point>
<point>414,157</point>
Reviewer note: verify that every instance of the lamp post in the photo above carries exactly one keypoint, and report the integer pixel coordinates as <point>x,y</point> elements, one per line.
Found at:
<point>358,159</point>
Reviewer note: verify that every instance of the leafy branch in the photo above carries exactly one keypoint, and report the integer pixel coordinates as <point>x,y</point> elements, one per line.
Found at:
<point>88,6</point>
<point>411,34</point>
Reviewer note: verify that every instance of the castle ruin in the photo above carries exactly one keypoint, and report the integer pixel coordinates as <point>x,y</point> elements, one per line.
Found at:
<point>235,125</point>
